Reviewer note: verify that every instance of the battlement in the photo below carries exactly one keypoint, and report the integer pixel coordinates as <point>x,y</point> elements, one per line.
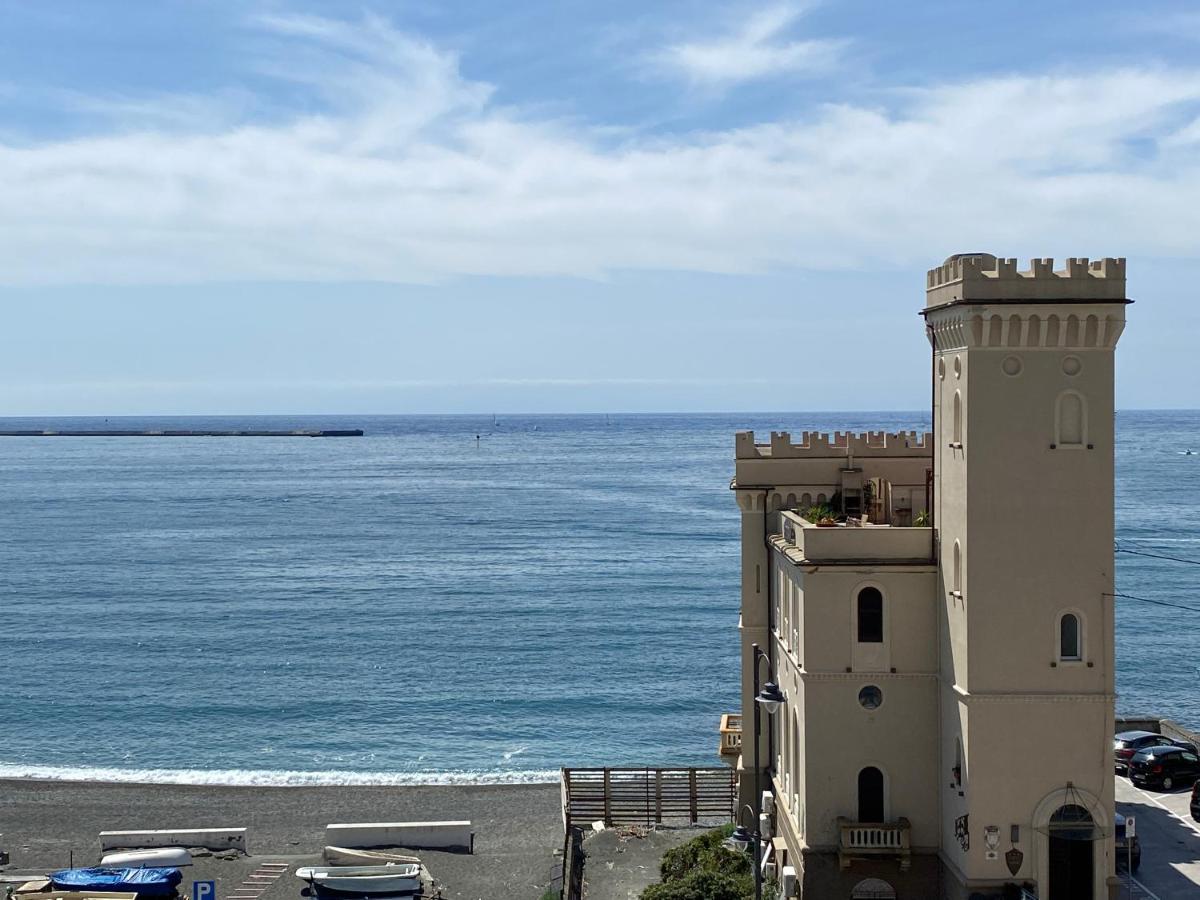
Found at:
<point>815,444</point>
<point>982,276</point>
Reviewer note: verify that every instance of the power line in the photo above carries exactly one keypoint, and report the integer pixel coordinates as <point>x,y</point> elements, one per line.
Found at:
<point>1156,602</point>
<point>1192,562</point>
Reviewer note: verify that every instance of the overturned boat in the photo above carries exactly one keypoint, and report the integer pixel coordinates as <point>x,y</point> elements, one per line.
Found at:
<point>144,881</point>
<point>352,856</point>
<point>389,880</point>
<point>160,857</point>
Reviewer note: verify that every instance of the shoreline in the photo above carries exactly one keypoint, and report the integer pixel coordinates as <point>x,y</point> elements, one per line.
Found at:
<point>265,778</point>
<point>47,823</point>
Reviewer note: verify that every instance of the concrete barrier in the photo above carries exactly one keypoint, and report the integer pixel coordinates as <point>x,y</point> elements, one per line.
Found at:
<point>211,838</point>
<point>411,835</point>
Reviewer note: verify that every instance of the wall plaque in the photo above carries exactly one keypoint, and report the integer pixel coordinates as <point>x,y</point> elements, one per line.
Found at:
<point>1014,858</point>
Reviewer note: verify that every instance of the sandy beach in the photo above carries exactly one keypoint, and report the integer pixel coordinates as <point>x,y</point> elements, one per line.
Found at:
<point>518,827</point>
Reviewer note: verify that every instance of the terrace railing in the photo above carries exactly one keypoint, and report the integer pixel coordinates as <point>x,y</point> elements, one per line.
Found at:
<point>864,839</point>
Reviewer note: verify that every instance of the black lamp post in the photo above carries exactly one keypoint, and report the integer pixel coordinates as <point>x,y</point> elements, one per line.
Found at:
<point>769,698</point>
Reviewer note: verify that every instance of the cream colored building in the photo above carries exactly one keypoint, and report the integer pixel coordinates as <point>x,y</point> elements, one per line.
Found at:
<point>947,656</point>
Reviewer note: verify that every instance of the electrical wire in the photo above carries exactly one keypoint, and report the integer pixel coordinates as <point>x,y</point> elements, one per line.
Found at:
<point>1195,609</point>
<point>1119,549</point>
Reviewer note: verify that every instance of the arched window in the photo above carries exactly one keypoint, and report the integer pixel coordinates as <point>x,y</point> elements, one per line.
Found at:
<point>958,417</point>
<point>957,771</point>
<point>1070,641</point>
<point>1070,420</point>
<point>870,795</point>
<point>796,752</point>
<point>957,582</point>
<point>870,616</point>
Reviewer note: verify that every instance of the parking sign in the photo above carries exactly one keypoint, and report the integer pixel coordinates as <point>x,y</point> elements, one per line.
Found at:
<point>1130,826</point>
<point>204,890</point>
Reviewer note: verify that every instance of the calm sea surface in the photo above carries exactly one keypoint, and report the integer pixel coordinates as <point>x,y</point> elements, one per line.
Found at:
<point>417,605</point>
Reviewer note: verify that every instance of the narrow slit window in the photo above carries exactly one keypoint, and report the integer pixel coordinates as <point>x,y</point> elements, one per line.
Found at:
<point>1072,420</point>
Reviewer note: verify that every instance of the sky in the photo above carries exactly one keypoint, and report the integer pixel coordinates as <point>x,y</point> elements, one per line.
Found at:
<point>268,206</point>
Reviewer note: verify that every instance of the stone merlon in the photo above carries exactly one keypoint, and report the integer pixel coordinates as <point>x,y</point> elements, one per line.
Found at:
<point>971,277</point>
<point>843,443</point>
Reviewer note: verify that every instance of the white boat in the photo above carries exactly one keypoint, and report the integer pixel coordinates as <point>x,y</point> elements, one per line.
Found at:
<point>161,858</point>
<point>396,879</point>
<point>352,856</point>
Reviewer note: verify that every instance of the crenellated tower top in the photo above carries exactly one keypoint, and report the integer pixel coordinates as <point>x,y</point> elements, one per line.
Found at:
<point>982,277</point>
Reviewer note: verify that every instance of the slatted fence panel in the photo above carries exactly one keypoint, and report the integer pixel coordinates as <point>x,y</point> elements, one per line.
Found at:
<point>647,796</point>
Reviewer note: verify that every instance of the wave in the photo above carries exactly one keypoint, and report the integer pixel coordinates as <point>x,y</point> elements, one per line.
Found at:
<point>274,778</point>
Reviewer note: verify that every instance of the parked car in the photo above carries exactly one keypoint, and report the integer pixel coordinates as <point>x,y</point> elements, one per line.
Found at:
<point>1124,849</point>
<point>1128,743</point>
<point>1164,767</point>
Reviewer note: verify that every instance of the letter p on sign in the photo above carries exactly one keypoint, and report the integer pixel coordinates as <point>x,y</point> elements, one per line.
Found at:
<point>204,890</point>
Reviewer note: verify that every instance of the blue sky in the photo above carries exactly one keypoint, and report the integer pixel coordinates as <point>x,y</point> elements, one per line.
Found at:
<point>246,207</point>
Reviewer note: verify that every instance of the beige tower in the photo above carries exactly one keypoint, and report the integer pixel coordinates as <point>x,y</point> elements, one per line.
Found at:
<point>1023,512</point>
<point>937,611</point>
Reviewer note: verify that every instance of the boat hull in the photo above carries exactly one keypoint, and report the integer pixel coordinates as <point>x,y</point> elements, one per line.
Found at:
<point>162,857</point>
<point>349,856</point>
<point>363,880</point>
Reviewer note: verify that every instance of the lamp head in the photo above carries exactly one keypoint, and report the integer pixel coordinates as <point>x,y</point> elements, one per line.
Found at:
<point>740,840</point>
<point>770,697</point>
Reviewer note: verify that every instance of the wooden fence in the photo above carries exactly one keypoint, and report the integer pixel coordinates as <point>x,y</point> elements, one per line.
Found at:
<point>647,796</point>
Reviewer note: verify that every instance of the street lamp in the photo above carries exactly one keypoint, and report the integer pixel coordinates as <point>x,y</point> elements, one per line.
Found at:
<point>769,698</point>
<point>742,838</point>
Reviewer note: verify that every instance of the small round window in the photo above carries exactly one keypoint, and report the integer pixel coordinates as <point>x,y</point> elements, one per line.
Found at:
<point>870,697</point>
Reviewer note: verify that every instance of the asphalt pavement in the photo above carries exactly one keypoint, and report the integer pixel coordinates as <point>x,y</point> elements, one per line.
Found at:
<point>1170,840</point>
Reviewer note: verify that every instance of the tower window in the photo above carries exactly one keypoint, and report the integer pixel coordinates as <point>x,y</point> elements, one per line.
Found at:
<point>870,616</point>
<point>958,417</point>
<point>1069,643</point>
<point>1071,416</point>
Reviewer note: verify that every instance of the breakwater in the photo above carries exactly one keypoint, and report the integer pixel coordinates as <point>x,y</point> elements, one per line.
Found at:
<point>188,432</point>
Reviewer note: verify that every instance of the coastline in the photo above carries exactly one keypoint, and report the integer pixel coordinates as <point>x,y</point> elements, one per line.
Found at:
<point>47,822</point>
<point>272,777</point>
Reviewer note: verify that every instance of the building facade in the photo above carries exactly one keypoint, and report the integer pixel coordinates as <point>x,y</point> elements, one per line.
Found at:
<point>937,610</point>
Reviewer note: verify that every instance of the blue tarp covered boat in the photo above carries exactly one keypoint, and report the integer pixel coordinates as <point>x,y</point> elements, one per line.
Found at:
<point>151,882</point>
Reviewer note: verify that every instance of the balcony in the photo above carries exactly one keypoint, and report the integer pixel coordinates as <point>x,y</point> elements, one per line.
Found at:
<point>731,737</point>
<point>860,840</point>
<point>854,542</point>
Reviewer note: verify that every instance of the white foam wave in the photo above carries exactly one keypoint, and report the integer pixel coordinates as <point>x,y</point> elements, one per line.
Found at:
<point>272,778</point>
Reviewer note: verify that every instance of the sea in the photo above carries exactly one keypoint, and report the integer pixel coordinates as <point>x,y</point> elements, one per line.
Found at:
<point>448,599</point>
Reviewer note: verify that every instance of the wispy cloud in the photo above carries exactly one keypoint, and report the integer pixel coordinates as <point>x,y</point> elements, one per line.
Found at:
<point>756,48</point>
<point>404,170</point>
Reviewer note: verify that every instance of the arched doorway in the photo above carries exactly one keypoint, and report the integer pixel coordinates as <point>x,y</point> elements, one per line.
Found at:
<point>870,795</point>
<point>873,889</point>
<point>1072,867</point>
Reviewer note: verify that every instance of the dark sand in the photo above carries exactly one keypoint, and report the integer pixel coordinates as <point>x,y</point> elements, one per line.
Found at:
<point>517,827</point>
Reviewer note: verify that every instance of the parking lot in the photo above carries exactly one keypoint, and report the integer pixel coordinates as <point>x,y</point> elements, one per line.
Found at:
<point>1170,839</point>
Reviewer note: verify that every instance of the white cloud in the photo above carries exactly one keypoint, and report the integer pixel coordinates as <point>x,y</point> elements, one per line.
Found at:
<point>410,172</point>
<point>756,49</point>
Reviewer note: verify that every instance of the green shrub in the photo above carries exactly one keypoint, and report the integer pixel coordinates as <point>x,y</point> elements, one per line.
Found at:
<point>704,869</point>
<point>702,885</point>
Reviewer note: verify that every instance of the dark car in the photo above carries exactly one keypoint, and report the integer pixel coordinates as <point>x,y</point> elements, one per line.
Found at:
<point>1164,767</point>
<point>1124,849</point>
<point>1128,743</point>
